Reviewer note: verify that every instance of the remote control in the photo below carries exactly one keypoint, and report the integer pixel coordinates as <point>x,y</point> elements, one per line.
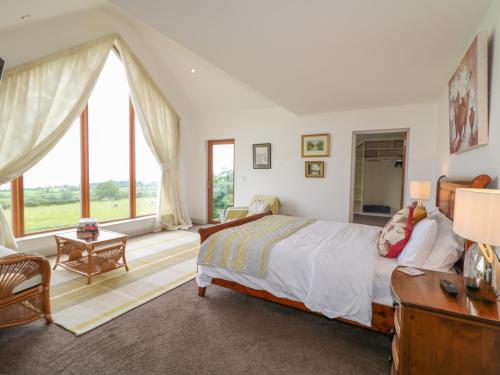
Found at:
<point>449,287</point>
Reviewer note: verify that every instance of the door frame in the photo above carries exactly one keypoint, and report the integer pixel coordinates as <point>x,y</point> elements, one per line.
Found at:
<point>211,144</point>
<point>406,132</point>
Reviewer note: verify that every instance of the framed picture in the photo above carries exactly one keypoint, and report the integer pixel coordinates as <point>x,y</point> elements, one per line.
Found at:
<point>315,145</point>
<point>315,169</point>
<point>262,156</point>
<point>468,98</point>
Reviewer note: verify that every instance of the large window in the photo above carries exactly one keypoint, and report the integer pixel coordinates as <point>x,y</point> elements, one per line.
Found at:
<point>101,168</point>
<point>147,173</point>
<point>52,187</point>
<point>6,201</point>
<point>109,144</point>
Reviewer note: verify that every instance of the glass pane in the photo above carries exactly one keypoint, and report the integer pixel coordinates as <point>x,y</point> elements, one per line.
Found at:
<point>147,174</point>
<point>223,164</point>
<point>5,201</point>
<point>52,186</point>
<point>109,143</point>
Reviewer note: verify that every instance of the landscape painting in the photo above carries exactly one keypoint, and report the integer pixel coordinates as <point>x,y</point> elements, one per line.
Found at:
<point>468,98</point>
<point>315,145</point>
<point>315,169</point>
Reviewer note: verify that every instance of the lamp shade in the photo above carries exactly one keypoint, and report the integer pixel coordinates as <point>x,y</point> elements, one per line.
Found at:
<point>420,189</point>
<point>477,215</point>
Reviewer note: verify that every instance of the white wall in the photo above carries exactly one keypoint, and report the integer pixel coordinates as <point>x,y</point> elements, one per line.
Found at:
<point>327,198</point>
<point>382,184</point>
<point>484,159</point>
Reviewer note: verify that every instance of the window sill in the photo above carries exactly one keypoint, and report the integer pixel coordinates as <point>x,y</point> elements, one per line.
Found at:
<point>43,243</point>
<point>105,225</point>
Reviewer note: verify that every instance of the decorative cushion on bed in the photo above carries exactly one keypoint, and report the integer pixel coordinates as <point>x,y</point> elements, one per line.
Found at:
<point>418,248</point>
<point>448,247</point>
<point>258,207</point>
<point>396,233</point>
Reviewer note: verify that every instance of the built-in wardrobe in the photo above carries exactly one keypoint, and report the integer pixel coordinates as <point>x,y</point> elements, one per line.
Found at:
<point>379,175</point>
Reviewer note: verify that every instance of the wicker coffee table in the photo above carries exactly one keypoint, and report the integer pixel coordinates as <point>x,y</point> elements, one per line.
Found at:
<point>90,257</point>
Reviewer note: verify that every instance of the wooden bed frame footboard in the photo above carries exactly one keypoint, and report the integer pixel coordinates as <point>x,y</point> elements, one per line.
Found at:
<point>382,315</point>
<point>207,232</point>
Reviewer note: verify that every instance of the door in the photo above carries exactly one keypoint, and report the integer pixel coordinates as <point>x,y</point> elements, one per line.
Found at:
<point>378,176</point>
<point>403,171</point>
<point>220,178</point>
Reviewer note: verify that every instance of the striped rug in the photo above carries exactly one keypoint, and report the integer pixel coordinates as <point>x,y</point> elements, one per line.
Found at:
<point>158,262</point>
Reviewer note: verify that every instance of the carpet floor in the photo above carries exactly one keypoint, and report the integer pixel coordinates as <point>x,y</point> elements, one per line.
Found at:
<point>158,262</point>
<point>181,333</point>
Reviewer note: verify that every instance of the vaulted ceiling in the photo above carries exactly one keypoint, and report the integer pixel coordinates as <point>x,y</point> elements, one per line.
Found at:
<point>324,55</point>
<point>308,56</point>
<point>11,11</point>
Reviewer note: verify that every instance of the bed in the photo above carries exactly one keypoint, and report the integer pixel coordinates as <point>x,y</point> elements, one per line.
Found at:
<point>327,279</point>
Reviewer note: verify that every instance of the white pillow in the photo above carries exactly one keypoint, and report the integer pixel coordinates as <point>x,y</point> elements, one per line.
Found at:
<point>448,247</point>
<point>258,207</point>
<point>418,248</point>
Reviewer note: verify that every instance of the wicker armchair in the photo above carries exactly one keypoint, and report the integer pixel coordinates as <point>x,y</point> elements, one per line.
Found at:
<point>24,288</point>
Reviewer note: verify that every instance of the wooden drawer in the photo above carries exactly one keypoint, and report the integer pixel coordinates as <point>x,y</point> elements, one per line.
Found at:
<point>437,334</point>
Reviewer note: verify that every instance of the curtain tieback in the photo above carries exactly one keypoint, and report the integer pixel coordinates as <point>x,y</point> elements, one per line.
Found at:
<point>172,164</point>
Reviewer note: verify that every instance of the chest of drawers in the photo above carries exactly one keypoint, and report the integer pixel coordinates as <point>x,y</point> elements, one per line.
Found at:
<point>439,334</point>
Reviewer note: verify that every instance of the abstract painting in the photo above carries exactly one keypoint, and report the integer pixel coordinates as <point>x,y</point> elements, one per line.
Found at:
<point>468,98</point>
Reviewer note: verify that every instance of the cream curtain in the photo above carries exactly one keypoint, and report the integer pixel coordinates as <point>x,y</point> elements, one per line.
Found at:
<point>160,125</point>
<point>38,102</point>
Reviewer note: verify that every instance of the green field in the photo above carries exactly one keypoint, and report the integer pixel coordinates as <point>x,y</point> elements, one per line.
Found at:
<point>65,215</point>
<point>59,206</point>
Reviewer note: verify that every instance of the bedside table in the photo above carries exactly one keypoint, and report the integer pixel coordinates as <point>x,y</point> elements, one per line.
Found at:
<point>439,334</point>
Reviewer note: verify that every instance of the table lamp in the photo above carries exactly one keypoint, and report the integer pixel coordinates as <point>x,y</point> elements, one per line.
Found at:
<point>477,218</point>
<point>420,190</point>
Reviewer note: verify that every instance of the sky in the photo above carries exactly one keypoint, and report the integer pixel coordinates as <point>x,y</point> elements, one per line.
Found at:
<point>223,158</point>
<point>108,139</point>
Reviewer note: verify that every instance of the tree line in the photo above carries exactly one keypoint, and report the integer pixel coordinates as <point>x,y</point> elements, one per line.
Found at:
<point>100,191</point>
<point>223,192</point>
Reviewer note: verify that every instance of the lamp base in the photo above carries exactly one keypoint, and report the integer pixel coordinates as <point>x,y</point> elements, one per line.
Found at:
<point>419,213</point>
<point>482,273</point>
<point>483,294</point>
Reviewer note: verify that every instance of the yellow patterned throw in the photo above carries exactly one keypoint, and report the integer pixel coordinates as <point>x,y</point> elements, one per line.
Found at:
<point>246,248</point>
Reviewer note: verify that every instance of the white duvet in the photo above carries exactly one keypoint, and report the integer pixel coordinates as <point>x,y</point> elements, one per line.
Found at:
<point>328,266</point>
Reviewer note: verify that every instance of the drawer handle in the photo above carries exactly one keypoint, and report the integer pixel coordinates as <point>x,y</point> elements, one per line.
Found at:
<point>395,304</point>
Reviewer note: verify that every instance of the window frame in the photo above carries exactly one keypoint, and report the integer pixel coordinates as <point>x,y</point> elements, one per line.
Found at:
<point>17,185</point>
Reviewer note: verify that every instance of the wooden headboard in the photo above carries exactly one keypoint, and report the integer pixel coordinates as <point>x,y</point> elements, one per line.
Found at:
<point>446,186</point>
<point>445,200</point>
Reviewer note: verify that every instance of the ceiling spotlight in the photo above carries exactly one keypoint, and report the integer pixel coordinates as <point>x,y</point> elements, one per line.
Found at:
<point>25,17</point>
<point>193,70</point>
